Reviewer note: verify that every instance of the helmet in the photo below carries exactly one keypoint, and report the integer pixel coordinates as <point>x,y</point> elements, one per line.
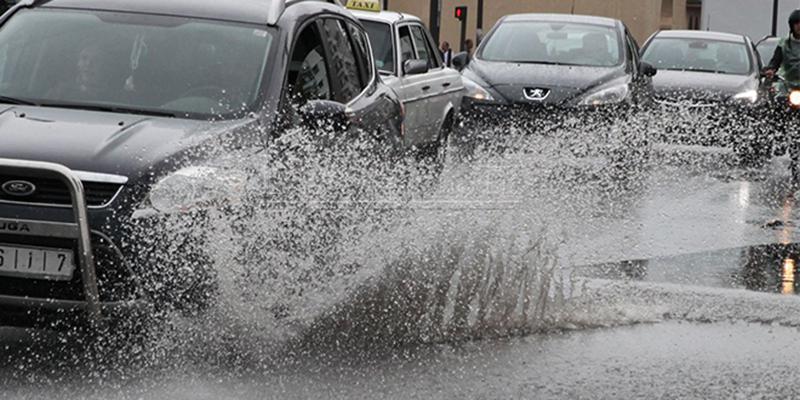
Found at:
<point>794,18</point>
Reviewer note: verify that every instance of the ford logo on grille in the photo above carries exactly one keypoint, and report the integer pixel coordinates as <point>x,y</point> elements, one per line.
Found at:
<point>18,188</point>
<point>536,94</point>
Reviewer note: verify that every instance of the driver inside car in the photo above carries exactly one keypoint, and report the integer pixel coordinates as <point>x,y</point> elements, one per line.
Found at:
<point>92,78</point>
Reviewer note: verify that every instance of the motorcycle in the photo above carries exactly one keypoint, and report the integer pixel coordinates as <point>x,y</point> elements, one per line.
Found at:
<point>785,113</point>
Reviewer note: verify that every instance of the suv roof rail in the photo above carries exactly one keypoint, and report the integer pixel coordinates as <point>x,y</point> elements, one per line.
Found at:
<point>278,7</point>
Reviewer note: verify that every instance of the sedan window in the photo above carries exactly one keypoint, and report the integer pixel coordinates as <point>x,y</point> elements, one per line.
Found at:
<point>686,54</point>
<point>424,49</point>
<point>554,43</point>
<point>406,45</point>
<point>380,36</point>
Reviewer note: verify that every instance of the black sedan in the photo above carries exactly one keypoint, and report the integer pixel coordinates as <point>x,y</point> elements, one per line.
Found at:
<point>708,87</point>
<point>554,66</point>
<point>93,133</point>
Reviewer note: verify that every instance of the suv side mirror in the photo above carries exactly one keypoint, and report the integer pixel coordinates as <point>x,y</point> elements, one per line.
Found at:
<point>415,67</point>
<point>460,60</point>
<point>325,115</point>
<point>648,69</point>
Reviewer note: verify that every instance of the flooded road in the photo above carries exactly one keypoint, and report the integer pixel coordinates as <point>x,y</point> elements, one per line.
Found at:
<point>650,289</point>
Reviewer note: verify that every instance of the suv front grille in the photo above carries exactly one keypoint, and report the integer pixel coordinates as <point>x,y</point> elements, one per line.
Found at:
<point>53,191</point>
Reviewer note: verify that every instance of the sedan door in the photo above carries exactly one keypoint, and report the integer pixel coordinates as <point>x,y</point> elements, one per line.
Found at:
<point>414,90</point>
<point>445,84</point>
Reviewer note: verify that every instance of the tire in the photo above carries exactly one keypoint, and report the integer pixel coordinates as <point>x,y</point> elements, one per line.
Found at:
<point>435,154</point>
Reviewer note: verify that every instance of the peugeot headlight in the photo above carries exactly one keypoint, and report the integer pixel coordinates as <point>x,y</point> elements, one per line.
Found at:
<point>196,188</point>
<point>750,96</point>
<point>611,95</point>
<point>475,91</point>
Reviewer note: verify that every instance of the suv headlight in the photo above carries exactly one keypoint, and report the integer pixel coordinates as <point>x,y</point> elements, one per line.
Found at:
<point>611,95</point>
<point>750,96</point>
<point>193,188</point>
<point>475,91</point>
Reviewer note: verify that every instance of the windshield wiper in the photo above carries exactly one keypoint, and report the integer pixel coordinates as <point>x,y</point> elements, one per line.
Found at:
<point>16,101</point>
<point>551,63</point>
<point>109,108</point>
<point>710,71</point>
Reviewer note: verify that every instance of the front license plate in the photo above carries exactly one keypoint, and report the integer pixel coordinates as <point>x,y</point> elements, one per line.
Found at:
<point>36,263</point>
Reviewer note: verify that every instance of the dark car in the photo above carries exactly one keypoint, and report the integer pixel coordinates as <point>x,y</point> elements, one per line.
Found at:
<point>102,102</point>
<point>555,66</point>
<point>709,82</point>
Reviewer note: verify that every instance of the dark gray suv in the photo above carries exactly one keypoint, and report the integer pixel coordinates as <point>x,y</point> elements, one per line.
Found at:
<point>102,101</point>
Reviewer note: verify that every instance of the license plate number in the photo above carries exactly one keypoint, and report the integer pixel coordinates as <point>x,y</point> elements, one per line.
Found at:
<point>36,263</point>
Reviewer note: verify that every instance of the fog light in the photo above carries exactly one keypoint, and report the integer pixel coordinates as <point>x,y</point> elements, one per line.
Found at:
<point>794,98</point>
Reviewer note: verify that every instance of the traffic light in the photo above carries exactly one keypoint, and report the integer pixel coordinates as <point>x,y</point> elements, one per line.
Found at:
<point>461,16</point>
<point>461,13</point>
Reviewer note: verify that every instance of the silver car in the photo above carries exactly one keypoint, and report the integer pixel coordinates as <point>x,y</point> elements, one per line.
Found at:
<point>411,64</point>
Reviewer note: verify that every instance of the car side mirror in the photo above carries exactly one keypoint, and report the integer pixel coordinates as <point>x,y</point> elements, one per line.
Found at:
<point>325,115</point>
<point>648,69</point>
<point>460,60</point>
<point>415,67</point>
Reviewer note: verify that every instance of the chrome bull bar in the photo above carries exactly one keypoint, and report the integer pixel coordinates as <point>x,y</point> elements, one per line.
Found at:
<point>79,230</point>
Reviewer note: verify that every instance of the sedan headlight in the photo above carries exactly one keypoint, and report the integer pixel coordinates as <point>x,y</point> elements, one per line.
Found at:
<point>611,95</point>
<point>750,96</point>
<point>196,188</point>
<point>475,91</point>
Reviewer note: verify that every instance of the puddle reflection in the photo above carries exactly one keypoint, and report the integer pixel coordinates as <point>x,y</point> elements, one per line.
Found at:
<point>767,268</point>
<point>788,282</point>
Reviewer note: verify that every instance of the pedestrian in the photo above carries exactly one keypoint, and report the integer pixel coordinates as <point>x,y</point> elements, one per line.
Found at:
<point>469,46</point>
<point>447,54</point>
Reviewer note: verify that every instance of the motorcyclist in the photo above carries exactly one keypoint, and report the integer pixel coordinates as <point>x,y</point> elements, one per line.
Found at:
<point>785,64</point>
<point>786,59</point>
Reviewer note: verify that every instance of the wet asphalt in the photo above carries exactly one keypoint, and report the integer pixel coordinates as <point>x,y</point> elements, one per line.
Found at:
<point>698,222</point>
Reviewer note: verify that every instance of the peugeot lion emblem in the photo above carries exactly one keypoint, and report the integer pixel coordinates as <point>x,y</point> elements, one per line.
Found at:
<point>18,188</point>
<point>536,94</point>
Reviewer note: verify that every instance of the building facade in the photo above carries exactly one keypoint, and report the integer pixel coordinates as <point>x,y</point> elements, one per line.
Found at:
<point>643,17</point>
<point>747,17</point>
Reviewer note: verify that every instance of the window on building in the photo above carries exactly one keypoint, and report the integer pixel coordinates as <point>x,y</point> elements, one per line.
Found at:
<point>666,14</point>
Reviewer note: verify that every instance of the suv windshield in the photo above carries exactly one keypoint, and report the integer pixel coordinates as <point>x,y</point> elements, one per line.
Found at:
<point>554,43</point>
<point>132,63</point>
<point>698,55</point>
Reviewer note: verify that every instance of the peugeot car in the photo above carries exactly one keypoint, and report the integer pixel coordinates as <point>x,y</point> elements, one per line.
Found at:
<point>103,103</point>
<point>553,68</point>
<point>544,62</point>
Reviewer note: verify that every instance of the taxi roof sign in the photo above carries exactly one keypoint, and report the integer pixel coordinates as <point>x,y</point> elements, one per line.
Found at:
<point>364,5</point>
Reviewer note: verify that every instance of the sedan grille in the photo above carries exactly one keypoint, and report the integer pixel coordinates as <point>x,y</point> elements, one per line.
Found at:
<point>54,192</point>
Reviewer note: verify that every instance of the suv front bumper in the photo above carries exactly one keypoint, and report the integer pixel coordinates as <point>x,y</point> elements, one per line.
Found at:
<point>89,307</point>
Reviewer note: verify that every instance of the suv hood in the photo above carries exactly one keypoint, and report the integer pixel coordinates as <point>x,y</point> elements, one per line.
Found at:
<point>121,144</point>
<point>566,82</point>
